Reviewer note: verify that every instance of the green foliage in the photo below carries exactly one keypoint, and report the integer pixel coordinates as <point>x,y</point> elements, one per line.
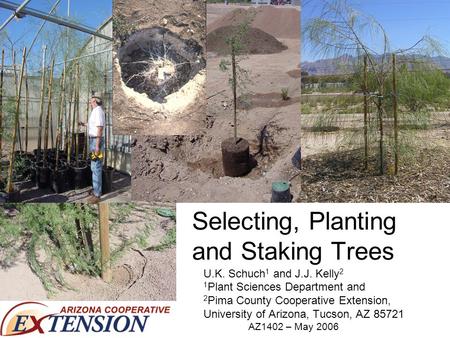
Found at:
<point>238,77</point>
<point>9,243</point>
<point>8,119</point>
<point>64,237</point>
<point>285,94</point>
<point>423,86</point>
<point>341,31</point>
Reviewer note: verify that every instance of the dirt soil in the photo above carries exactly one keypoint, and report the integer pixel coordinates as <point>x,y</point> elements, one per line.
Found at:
<point>333,166</point>
<point>140,274</point>
<point>189,168</point>
<point>184,111</point>
<point>340,177</point>
<point>256,41</point>
<point>266,18</point>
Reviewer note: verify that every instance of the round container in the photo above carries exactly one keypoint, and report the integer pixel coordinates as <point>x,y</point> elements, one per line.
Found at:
<point>236,157</point>
<point>281,192</point>
<point>107,180</point>
<point>60,180</point>
<point>42,176</point>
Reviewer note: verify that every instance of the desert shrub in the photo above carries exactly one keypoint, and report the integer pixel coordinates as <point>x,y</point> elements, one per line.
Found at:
<point>64,237</point>
<point>285,94</point>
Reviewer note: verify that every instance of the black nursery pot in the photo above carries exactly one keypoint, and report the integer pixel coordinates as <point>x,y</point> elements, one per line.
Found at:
<point>281,192</point>
<point>60,179</point>
<point>107,179</point>
<point>29,170</point>
<point>33,172</point>
<point>42,176</point>
<point>13,197</point>
<point>38,154</point>
<point>18,154</point>
<point>236,158</point>
<point>89,172</point>
<point>79,175</point>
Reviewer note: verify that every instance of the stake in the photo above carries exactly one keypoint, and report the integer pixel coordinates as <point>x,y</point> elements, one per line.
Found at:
<point>86,139</point>
<point>27,98</point>
<point>366,109</point>
<point>103,209</point>
<point>105,77</point>
<point>41,107</point>
<point>49,111</point>
<point>9,187</point>
<point>380,116</point>
<point>1,114</point>
<point>77,114</point>
<point>60,115</point>
<point>69,121</point>
<point>395,102</point>
<point>17,94</point>
<point>233,62</point>
<point>52,143</point>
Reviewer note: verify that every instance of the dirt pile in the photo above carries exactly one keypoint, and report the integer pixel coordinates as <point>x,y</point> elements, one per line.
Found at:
<point>280,22</point>
<point>256,41</point>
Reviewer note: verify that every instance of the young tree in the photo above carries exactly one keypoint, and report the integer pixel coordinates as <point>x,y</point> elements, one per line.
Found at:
<point>238,76</point>
<point>341,31</point>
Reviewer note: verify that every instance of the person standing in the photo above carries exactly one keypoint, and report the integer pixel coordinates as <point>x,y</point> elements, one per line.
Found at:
<point>96,125</point>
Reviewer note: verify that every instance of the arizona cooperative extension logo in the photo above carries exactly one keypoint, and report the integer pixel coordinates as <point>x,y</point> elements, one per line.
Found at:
<point>35,317</point>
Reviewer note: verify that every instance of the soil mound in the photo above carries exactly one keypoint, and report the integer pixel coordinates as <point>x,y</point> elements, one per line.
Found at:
<point>256,40</point>
<point>280,22</point>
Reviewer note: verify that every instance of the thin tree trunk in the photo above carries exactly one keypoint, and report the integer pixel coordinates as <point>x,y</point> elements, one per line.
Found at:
<point>41,112</point>
<point>60,116</point>
<point>1,114</point>
<point>49,111</point>
<point>233,63</point>
<point>103,210</point>
<point>366,112</point>
<point>9,188</point>
<point>86,137</point>
<point>381,129</point>
<point>52,143</point>
<point>17,94</point>
<point>105,78</point>
<point>69,120</point>
<point>77,115</point>
<point>395,102</point>
<point>27,106</point>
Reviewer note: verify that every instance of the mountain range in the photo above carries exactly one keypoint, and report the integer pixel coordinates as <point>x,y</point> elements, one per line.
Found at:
<point>343,64</point>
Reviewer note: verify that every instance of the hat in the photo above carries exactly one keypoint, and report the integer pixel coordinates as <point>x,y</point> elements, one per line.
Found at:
<point>96,95</point>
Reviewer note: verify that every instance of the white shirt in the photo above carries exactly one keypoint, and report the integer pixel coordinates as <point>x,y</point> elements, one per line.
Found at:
<point>96,119</point>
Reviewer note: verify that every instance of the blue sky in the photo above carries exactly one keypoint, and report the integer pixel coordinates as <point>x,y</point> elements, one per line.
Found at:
<point>91,13</point>
<point>405,21</point>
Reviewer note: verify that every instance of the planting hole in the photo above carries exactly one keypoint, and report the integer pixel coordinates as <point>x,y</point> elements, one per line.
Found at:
<point>157,62</point>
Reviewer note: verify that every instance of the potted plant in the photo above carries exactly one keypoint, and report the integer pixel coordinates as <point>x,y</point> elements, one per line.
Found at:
<point>236,158</point>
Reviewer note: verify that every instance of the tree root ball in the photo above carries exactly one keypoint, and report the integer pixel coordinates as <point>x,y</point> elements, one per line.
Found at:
<point>157,62</point>
<point>236,157</point>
